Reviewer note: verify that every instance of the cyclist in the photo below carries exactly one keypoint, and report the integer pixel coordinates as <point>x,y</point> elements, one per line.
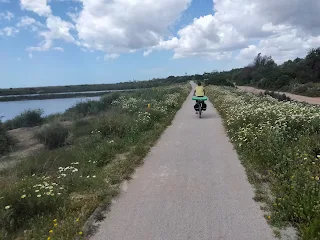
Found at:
<point>199,92</point>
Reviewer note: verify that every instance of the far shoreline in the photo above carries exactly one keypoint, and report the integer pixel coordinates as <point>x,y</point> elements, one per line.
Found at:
<point>58,95</point>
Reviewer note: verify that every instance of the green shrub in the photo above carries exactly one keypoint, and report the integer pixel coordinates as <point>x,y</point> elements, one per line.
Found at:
<point>82,127</point>
<point>114,125</point>
<point>28,118</point>
<point>53,135</point>
<point>86,108</point>
<point>219,81</point>
<point>108,99</point>
<point>6,141</point>
<point>280,97</point>
<point>309,89</point>
<point>93,107</point>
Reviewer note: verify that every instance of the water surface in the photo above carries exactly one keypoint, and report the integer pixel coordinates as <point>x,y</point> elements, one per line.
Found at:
<point>9,110</point>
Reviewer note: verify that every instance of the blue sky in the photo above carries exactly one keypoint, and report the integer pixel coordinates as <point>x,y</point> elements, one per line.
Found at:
<point>64,42</point>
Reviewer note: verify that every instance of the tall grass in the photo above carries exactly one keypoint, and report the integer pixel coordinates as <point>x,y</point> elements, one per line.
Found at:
<point>279,144</point>
<point>53,135</point>
<point>91,107</point>
<point>6,141</point>
<point>58,189</point>
<point>28,118</point>
<point>31,118</point>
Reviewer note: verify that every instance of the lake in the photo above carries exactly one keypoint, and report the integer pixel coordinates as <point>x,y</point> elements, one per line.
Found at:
<point>50,106</point>
<point>62,93</point>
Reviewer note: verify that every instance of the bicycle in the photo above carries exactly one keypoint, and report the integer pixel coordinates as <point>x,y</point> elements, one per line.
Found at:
<point>200,103</point>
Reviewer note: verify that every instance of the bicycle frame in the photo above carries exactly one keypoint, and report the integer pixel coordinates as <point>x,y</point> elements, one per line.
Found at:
<point>200,108</point>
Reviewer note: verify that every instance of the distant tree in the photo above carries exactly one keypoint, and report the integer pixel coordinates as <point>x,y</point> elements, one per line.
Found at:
<point>313,61</point>
<point>261,61</point>
<point>297,60</point>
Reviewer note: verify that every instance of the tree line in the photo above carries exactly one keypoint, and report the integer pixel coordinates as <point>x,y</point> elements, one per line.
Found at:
<point>300,76</point>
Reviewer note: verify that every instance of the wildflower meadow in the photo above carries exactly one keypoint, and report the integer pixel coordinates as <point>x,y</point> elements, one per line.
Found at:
<point>279,145</point>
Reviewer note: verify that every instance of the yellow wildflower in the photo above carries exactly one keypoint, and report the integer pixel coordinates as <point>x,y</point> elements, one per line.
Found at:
<point>269,217</point>
<point>51,231</point>
<point>80,233</point>
<point>7,207</point>
<point>49,238</point>
<point>317,178</point>
<point>23,196</point>
<point>78,219</point>
<point>55,225</point>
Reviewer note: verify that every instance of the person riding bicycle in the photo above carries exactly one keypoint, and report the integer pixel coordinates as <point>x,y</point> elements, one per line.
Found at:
<point>199,92</point>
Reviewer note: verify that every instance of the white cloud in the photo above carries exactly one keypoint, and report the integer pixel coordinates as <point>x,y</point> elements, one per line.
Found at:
<point>40,7</point>
<point>29,23</point>
<point>111,56</point>
<point>6,15</point>
<point>57,29</point>
<point>281,48</point>
<point>44,46</point>
<point>283,29</point>
<point>147,52</point>
<point>8,31</point>
<point>60,49</point>
<point>123,25</point>
<point>73,16</point>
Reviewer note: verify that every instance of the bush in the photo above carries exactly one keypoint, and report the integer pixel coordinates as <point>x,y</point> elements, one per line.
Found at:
<point>114,125</point>
<point>108,99</point>
<point>279,97</point>
<point>92,107</point>
<point>6,142</point>
<point>86,108</point>
<point>219,81</point>
<point>309,89</point>
<point>28,118</point>
<point>53,135</point>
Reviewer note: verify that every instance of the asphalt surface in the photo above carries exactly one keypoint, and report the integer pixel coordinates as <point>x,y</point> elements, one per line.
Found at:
<point>191,186</point>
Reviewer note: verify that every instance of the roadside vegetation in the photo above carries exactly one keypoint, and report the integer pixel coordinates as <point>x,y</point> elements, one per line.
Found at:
<point>278,96</point>
<point>279,145</point>
<point>53,135</point>
<point>6,142</point>
<point>28,118</point>
<point>299,76</point>
<point>51,194</point>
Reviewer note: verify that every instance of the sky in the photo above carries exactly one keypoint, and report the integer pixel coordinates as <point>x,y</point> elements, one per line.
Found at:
<point>67,42</point>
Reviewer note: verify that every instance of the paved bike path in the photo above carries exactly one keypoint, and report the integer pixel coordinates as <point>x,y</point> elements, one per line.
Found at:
<point>191,186</point>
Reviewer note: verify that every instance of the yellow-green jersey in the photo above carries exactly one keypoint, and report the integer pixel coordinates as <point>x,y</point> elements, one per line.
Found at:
<point>199,91</point>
